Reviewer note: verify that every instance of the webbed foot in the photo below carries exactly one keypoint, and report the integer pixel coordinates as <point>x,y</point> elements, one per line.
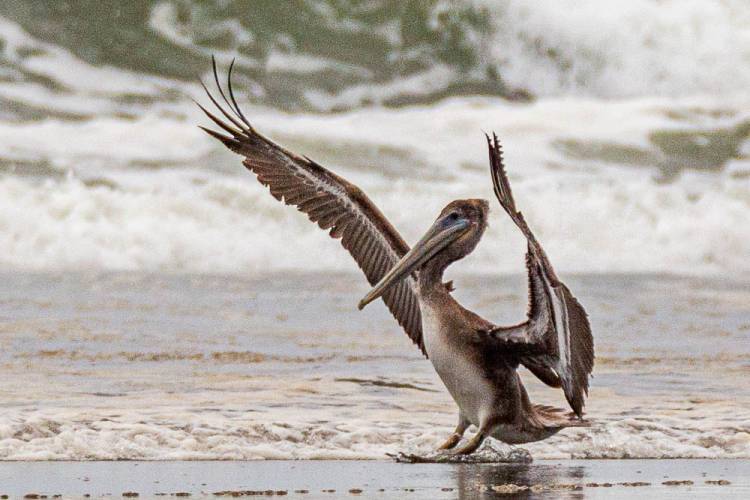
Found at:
<point>451,442</point>
<point>471,446</point>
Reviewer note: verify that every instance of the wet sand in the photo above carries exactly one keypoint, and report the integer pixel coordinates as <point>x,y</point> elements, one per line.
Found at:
<point>380,479</point>
<point>130,367</point>
<point>135,366</point>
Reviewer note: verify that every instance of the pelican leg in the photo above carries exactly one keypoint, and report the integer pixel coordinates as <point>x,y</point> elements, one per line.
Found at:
<point>455,438</point>
<point>473,443</point>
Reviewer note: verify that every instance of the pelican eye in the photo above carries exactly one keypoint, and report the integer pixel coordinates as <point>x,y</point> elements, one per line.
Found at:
<point>453,216</point>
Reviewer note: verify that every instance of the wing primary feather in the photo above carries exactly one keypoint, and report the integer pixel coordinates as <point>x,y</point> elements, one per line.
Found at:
<point>336,205</point>
<point>229,142</point>
<point>218,85</point>
<point>557,321</point>
<point>219,107</point>
<point>218,122</point>
<point>234,101</point>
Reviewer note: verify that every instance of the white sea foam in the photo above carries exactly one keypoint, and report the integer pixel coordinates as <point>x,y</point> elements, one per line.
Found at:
<point>205,213</point>
<point>590,48</point>
<point>150,191</point>
<point>641,47</point>
<point>166,366</point>
<point>173,434</point>
<point>59,65</point>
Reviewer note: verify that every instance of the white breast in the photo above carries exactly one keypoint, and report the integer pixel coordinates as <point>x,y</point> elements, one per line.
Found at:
<point>464,381</point>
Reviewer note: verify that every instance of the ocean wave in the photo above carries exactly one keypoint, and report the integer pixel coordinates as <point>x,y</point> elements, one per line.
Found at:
<point>602,184</point>
<point>174,435</point>
<point>158,366</point>
<point>227,225</point>
<point>617,49</point>
<point>417,53</point>
<point>101,163</point>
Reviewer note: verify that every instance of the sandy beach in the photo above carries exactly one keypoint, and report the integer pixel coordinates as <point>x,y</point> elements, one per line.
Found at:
<point>135,366</point>
<point>167,328</point>
<point>378,479</point>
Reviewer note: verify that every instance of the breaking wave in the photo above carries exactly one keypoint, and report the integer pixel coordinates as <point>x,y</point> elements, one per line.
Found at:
<point>174,436</point>
<point>338,55</point>
<point>633,157</point>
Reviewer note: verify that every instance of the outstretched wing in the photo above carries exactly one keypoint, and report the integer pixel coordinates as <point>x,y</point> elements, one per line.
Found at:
<point>557,325</point>
<point>327,199</point>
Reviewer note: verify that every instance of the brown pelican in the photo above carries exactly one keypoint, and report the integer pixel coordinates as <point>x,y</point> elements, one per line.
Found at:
<point>476,359</point>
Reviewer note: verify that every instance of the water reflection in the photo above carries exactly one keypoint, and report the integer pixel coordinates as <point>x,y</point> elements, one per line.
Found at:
<point>477,481</point>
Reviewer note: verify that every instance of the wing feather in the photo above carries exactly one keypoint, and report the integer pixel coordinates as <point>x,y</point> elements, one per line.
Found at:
<point>558,325</point>
<point>328,200</point>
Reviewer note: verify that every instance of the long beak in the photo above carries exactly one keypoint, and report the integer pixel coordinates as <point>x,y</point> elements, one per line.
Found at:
<point>440,235</point>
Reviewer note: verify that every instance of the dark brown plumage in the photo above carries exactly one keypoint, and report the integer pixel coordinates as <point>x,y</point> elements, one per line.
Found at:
<point>327,199</point>
<point>555,315</point>
<point>476,359</point>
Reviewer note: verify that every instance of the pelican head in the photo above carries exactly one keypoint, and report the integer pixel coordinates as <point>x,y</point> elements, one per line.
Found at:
<point>453,236</point>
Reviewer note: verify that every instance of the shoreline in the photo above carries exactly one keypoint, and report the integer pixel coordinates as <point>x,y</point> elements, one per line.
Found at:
<point>375,478</point>
<point>162,367</point>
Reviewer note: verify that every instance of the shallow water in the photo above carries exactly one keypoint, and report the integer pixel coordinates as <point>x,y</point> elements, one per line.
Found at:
<point>154,301</point>
<point>352,479</point>
<point>143,366</point>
